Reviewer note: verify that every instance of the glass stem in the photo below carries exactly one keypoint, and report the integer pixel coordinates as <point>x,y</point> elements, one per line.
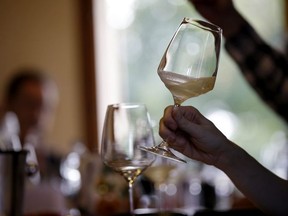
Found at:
<point>161,198</point>
<point>131,200</point>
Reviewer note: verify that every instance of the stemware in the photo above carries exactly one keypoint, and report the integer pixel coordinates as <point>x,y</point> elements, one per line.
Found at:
<point>158,173</point>
<point>189,66</point>
<point>126,127</point>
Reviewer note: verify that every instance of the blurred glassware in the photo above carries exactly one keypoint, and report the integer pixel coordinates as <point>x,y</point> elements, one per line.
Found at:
<point>12,181</point>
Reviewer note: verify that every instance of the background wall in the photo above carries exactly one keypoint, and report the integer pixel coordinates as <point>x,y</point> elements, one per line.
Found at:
<point>47,34</point>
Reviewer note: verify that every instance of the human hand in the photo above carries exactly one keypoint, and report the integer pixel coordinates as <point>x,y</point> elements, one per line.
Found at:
<point>189,132</point>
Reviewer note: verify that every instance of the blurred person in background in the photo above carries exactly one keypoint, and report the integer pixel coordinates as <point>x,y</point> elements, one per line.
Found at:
<point>32,96</point>
<point>265,68</point>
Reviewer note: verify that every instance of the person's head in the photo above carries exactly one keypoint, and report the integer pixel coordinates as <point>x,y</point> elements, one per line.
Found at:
<point>32,96</point>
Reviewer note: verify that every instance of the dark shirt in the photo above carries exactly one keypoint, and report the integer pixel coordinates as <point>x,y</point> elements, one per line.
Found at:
<point>264,68</point>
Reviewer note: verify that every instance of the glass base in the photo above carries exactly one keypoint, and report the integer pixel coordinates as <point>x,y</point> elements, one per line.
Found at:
<point>163,150</point>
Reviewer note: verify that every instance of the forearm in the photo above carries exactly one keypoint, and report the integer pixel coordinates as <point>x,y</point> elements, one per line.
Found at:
<point>231,23</point>
<point>267,191</point>
<point>222,13</point>
<point>264,68</point>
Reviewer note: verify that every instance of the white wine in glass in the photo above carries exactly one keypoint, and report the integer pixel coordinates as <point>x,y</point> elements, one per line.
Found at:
<point>126,128</point>
<point>189,66</point>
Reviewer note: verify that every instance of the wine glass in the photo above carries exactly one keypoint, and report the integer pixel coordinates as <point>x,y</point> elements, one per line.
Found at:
<point>189,66</point>
<point>158,173</point>
<point>126,127</point>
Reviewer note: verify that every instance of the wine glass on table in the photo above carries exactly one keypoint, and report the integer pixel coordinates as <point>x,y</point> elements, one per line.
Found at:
<point>126,128</point>
<point>159,173</point>
<point>189,66</point>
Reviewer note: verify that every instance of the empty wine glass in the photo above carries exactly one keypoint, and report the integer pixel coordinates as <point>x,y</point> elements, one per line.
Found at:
<point>158,173</point>
<point>189,66</point>
<point>126,127</point>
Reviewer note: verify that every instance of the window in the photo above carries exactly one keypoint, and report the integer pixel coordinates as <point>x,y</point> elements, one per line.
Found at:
<point>131,38</point>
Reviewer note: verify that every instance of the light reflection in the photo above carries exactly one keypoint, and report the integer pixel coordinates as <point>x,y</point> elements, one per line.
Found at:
<point>120,14</point>
<point>171,189</point>
<point>274,156</point>
<point>223,185</point>
<point>71,175</point>
<point>226,121</point>
<point>195,187</point>
<point>193,48</point>
<point>162,187</point>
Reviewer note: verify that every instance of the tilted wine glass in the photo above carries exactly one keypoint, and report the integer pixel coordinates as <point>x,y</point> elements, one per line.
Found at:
<point>189,66</point>
<point>126,127</point>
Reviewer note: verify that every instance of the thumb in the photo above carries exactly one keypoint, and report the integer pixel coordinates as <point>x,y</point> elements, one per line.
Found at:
<point>187,119</point>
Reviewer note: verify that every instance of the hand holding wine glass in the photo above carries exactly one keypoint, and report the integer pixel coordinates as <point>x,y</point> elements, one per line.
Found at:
<point>126,128</point>
<point>189,66</point>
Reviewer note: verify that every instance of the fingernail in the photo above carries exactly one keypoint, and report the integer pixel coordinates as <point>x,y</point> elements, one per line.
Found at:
<point>176,113</point>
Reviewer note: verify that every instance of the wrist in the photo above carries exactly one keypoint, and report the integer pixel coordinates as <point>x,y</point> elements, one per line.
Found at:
<point>228,156</point>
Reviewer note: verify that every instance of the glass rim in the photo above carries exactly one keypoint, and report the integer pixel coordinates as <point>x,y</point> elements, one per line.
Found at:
<point>127,105</point>
<point>203,24</point>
